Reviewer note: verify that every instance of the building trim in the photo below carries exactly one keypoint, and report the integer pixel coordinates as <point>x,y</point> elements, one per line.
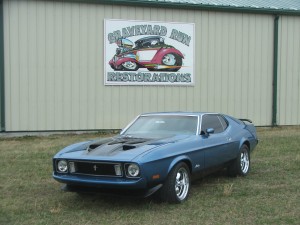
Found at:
<point>275,71</point>
<point>2,85</point>
<point>206,7</point>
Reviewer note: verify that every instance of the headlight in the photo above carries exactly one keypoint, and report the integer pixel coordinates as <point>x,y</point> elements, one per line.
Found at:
<point>62,166</point>
<point>132,170</point>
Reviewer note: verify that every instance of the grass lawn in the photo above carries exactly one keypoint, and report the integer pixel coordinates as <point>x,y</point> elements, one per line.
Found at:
<point>270,194</point>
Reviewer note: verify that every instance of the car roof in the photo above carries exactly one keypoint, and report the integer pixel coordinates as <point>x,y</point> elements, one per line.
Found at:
<point>148,38</point>
<point>179,113</point>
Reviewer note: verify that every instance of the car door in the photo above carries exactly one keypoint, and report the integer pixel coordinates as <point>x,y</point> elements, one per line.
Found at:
<point>217,144</point>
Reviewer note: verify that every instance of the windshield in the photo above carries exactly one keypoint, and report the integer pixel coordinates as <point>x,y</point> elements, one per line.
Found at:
<point>163,125</point>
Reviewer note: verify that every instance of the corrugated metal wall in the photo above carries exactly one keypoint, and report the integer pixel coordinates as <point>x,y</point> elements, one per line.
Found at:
<point>54,67</point>
<point>289,71</point>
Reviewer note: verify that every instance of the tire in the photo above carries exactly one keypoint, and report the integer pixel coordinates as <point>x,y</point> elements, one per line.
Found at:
<point>241,165</point>
<point>176,188</point>
<point>130,66</point>
<point>172,59</point>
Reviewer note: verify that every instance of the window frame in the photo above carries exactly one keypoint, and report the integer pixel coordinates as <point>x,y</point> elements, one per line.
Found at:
<point>219,119</point>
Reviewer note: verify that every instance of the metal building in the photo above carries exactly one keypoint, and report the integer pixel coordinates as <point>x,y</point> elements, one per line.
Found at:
<point>246,62</point>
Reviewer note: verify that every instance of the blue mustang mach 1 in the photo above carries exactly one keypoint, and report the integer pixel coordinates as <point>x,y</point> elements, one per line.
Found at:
<point>158,153</point>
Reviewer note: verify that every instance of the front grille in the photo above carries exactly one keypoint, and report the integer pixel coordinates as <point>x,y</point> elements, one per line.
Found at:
<point>94,168</point>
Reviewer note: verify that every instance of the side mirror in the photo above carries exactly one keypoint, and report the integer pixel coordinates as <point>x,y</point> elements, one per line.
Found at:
<point>207,132</point>
<point>210,131</point>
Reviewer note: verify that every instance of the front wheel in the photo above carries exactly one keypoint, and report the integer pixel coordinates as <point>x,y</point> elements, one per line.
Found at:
<point>130,66</point>
<point>241,165</point>
<point>177,185</point>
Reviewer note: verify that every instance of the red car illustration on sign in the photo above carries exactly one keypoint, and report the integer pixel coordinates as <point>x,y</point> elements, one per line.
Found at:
<point>149,52</point>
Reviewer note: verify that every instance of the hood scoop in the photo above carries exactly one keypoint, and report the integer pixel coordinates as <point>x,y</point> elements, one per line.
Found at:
<point>92,147</point>
<point>131,144</point>
<point>118,144</point>
<point>128,147</point>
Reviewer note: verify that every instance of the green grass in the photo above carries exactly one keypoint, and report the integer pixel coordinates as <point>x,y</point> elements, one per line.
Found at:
<point>269,195</point>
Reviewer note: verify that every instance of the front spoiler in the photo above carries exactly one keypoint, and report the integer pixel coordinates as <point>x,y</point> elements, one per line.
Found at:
<point>140,193</point>
<point>106,185</point>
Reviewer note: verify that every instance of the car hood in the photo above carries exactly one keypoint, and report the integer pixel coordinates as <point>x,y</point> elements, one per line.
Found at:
<point>117,148</point>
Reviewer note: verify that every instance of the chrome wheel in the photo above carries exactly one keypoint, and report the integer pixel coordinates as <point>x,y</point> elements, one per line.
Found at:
<point>240,166</point>
<point>245,162</point>
<point>130,65</point>
<point>169,60</point>
<point>177,185</point>
<point>182,183</point>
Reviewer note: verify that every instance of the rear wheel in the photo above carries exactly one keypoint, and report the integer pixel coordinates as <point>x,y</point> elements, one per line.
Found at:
<point>172,60</point>
<point>177,185</point>
<point>241,165</point>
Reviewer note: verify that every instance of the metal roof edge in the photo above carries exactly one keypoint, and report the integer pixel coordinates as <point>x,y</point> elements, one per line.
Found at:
<point>176,5</point>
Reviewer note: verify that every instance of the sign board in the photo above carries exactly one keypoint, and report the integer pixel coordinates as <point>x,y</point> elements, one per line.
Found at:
<point>148,53</point>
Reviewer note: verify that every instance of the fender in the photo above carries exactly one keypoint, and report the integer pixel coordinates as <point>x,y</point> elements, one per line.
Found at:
<point>252,142</point>
<point>179,159</point>
<point>242,141</point>
<point>122,60</point>
<point>161,52</point>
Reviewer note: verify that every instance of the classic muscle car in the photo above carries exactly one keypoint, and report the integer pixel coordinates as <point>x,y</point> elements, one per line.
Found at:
<point>149,52</point>
<point>159,153</point>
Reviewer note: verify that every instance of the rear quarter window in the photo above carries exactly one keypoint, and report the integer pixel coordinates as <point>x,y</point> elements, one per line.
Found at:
<point>224,122</point>
<point>212,121</point>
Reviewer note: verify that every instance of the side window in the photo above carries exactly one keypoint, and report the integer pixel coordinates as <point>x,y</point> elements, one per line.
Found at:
<point>212,121</point>
<point>223,122</point>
